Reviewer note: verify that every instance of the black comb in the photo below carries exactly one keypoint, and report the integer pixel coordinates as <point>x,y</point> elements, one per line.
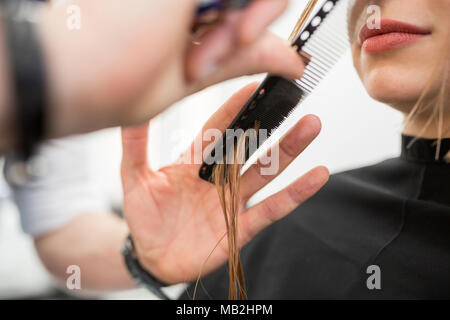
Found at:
<point>322,42</point>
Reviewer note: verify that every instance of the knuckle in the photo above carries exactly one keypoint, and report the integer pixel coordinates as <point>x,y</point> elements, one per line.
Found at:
<point>296,194</point>
<point>270,209</point>
<point>289,149</point>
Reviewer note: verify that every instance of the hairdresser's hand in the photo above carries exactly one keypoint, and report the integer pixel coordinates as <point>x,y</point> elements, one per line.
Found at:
<point>175,217</point>
<point>132,59</point>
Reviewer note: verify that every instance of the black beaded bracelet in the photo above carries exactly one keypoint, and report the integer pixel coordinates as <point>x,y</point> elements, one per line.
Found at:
<point>27,74</point>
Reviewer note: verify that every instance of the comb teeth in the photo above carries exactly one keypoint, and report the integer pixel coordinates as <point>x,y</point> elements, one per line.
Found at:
<point>323,41</point>
<point>322,58</point>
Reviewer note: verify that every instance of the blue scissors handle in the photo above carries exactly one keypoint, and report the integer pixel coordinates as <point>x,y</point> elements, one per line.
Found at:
<point>207,5</point>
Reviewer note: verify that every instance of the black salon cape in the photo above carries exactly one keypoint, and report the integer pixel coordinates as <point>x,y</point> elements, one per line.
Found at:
<point>394,215</point>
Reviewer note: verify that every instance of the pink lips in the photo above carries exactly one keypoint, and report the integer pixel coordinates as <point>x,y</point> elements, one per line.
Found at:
<point>392,35</point>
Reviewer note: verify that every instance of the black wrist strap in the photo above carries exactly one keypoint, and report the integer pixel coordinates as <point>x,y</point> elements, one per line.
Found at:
<point>27,74</point>
<point>141,277</point>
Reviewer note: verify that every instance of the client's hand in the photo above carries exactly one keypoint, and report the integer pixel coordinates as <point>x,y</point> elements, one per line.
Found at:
<point>176,218</point>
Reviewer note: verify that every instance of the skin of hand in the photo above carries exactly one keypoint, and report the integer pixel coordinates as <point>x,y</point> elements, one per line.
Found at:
<point>175,217</point>
<point>132,59</point>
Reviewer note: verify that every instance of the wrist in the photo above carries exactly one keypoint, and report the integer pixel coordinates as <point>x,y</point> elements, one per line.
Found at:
<point>151,266</point>
<point>153,263</point>
<point>141,276</point>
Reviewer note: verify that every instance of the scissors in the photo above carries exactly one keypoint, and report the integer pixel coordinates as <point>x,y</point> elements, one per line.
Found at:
<point>207,5</point>
<point>211,11</point>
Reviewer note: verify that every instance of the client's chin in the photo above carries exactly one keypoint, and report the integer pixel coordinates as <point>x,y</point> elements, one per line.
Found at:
<point>400,93</point>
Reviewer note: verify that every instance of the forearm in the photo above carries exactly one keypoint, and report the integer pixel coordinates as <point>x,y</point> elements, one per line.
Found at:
<point>93,242</point>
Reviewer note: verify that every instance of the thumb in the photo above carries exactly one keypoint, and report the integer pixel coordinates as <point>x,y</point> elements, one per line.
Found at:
<point>134,147</point>
<point>268,54</point>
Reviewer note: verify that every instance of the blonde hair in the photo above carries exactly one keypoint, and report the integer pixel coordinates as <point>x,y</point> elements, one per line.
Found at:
<point>227,176</point>
<point>435,101</point>
<point>227,180</point>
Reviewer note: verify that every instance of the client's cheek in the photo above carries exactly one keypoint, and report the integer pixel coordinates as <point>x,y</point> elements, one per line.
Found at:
<point>356,55</point>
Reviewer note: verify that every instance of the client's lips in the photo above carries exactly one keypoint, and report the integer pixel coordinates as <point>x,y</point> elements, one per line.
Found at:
<point>392,35</point>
